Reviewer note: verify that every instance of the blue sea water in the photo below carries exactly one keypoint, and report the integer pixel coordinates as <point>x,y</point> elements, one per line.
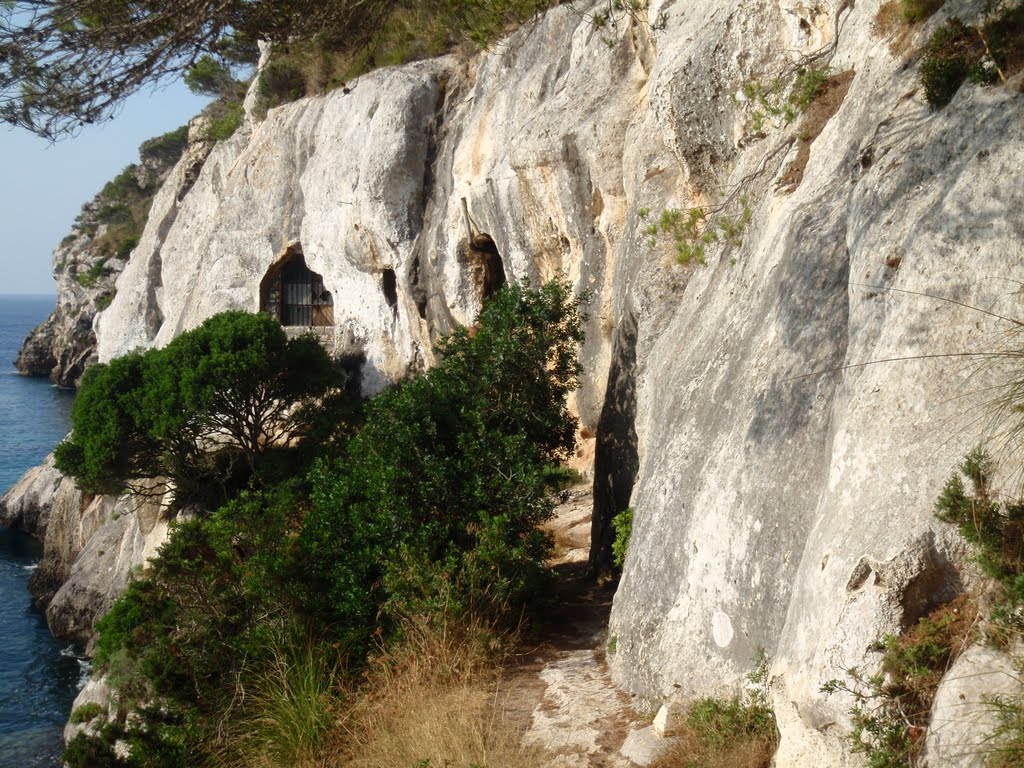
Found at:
<point>39,676</point>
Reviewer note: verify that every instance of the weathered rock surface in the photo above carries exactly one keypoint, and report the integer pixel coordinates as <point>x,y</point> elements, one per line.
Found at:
<point>129,532</point>
<point>27,504</point>
<point>782,489</point>
<point>964,713</point>
<point>86,265</point>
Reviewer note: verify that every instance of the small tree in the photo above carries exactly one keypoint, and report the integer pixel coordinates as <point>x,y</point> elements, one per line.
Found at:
<point>441,495</point>
<point>208,408</point>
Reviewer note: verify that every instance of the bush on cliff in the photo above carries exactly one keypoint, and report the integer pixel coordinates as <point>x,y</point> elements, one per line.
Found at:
<point>441,494</point>
<point>428,515</point>
<point>205,413</point>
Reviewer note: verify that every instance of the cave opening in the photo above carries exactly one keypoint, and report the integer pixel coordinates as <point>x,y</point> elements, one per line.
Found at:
<point>294,294</point>
<point>389,285</point>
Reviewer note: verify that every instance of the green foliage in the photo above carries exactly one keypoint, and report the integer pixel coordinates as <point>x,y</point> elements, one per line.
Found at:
<point>92,275</point>
<point>86,751</point>
<point>694,231</point>
<point>774,105</point>
<point>86,712</point>
<point>1007,742</point>
<point>725,733</point>
<point>430,510</point>
<point>225,121</point>
<point>995,529</point>
<point>167,148</point>
<point>207,412</point>
<point>213,612</point>
<point>983,54</point>
<point>439,499</point>
<point>622,523</point>
<point>291,706</point>
<point>915,11</point>
<point>409,31</point>
<point>210,77</point>
<point>948,57</point>
<point>809,85</point>
<point>891,709</point>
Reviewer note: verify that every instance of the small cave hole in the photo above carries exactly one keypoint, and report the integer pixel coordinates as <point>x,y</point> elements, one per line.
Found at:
<point>389,284</point>
<point>489,267</point>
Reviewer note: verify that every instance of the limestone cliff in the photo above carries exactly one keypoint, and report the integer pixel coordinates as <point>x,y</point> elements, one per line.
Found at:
<point>782,484</point>
<point>87,262</point>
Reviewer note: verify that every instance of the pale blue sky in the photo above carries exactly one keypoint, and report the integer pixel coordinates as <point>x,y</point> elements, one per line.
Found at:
<point>44,185</point>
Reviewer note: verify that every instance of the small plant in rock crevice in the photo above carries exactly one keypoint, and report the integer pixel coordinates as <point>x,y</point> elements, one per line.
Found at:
<point>891,708</point>
<point>622,523</point>
<point>732,733</point>
<point>694,230</point>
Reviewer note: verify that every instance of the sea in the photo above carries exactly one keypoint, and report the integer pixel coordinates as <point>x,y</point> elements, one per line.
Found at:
<point>39,676</point>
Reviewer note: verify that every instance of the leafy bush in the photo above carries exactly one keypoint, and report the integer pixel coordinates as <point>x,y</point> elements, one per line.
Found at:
<point>948,57</point>
<point>698,228</point>
<point>225,121</point>
<point>167,148</point>
<point>442,491</point>
<point>427,515</point>
<point>623,525</point>
<point>916,11</point>
<point>995,529</point>
<point>206,412</point>
<point>91,276</point>
<point>984,54</point>
<point>86,712</point>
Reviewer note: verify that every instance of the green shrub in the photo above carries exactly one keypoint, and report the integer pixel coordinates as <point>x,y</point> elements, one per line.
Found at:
<point>727,733</point>
<point>430,512</point>
<point>86,712</point>
<point>891,709</point>
<point>160,413</point>
<point>694,231</point>
<point>91,276</point>
<point>983,54</point>
<point>916,11</point>
<point>225,121</point>
<point>948,58</point>
<point>104,301</point>
<point>622,523</point>
<point>995,529</point>
<point>443,490</point>
<point>167,148</point>
<point>86,751</point>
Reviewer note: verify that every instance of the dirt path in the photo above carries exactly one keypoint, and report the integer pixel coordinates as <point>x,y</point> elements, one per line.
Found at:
<point>561,694</point>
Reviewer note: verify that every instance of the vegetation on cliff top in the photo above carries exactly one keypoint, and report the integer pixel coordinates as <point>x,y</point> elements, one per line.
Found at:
<point>420,523</point>
<point>71,63</point>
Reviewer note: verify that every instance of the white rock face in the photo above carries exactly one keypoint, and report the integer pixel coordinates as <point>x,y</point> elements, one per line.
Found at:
<point>782,487</point>
<point>964,714</point>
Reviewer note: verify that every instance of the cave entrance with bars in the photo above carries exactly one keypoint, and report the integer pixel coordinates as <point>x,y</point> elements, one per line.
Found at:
<point>295,295</point>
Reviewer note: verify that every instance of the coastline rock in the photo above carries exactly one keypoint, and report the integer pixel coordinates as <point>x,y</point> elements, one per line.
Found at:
<point>87,262</point>
<point>782,482</point>
<point>27,504</point>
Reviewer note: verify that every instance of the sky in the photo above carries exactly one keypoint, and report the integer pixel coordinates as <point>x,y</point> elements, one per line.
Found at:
<point>43,185</point>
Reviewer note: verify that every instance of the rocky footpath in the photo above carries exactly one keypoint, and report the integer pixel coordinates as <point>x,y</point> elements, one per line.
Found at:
<point>781,417</point>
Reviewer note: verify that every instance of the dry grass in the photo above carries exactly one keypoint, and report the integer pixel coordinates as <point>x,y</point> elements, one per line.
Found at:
<point>432,703</point>
<point>891,24</point>
<point>690,751</point>
<point>723,735</point>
